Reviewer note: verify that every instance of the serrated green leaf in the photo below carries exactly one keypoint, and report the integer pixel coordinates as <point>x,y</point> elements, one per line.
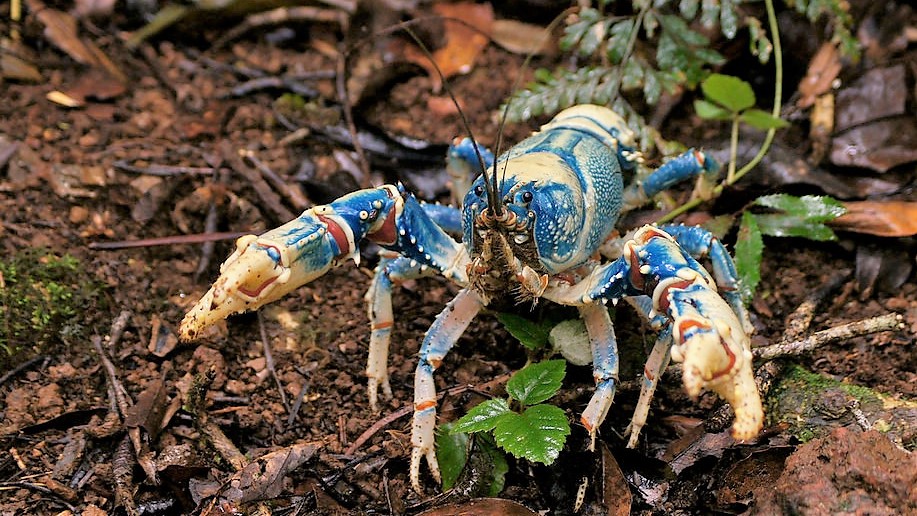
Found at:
<point>498,460</point>
<point>762,119</point>
<point>537,382</point>
<point>679,30</point>
<point>748,253</point>
<point>783,225</point>
<point>709,12</point>
<point>814,208</point>
<point>451,453</point>
<point>530,333</point>
<point>730,92</point>
<point>483,417</point>
<point>652,88</point>
<point>538,434</point>
<point>729,19</point>
<point>710,111</point>
<point>688,8</point>
<point>619,35</point>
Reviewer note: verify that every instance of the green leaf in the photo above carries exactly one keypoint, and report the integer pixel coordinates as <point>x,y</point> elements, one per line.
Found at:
<point>538,434</point>
<point>679,30</point>
<point>749,249</point>
<point>451,453</point>
<point>710,111</point>
<point>729,19</point>
<point>815,208</point>
<point>535,383</point>
<point>483,417</point>
<point>617,41</point>
<point>498,461</point>
<point>531,334</point>
<point>762,119</point>
<point>652,88</point>
<point>688,8</point>
<point>783,225</point>
<point>730,92</point>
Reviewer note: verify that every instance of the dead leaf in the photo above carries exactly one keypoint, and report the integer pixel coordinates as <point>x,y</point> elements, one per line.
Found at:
<point>263,477</point>
<point>880,93</point>
<point>14,68</point>
<point>481,507</point>
<point>96,84</point>
<point>881,268</point>
<point>521,38</point>
<point>148,411</point>
<point>878,146</point>
<point>61,31</point>
<point>465,40</point>
<point>615,493</point>
<point>162,339</point>
<point>821,126</point>
<point>823,69</point>
<point>880,218</point>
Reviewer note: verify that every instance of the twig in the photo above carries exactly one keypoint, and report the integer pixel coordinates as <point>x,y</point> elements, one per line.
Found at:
<point>307,384</point>
<point>169,240</point>
<point>21,367</point>
<point>270,200</point>
<point>818,339</point>
<point>162,170</point>
<point>122,399</point>
<point>409,408</point>
<point>344,98</point>
<point>281,15</point>
<point>269,362</point>
<point>210,226</point>
<point>292,194</point>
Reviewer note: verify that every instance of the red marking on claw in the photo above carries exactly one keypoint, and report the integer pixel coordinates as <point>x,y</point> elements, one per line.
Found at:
<point>382,325</point>
<point>386,234</point>
<point>664,295</point>
<point>257,292</point>
<point>732,361</point>
<point>340,238</point>
<point>586,424</point>
<point>636,279</point>
<point>687,324</point>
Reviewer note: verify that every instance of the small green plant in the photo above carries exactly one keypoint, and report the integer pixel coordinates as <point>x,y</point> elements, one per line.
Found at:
<point>522,424</point>
<point>731,98</point>
<point>792,217</point>
<point>42,300</point>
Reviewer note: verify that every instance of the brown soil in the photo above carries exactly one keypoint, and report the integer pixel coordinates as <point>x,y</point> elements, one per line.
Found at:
<point>62,191</point>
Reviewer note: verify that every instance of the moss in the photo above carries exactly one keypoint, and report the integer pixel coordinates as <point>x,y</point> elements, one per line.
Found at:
<point>44,301</point>
<point>811,404</point>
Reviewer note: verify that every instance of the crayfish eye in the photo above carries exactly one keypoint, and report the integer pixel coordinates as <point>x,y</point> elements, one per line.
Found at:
<point>479,190</point>
<point>527,197</point>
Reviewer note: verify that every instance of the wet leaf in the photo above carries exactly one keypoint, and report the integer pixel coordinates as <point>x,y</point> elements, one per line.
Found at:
<point>537,382</point>
<point>538,434</point>
<point>730,92</point>
<point>483,417</point>
<point>880,93</point>
<point>823,69</point>
<point>150,408</point>
<point>879,146</point>
<point>880,218</point>
<point>533,335</point>
<point>748,253</point>
<point>451,453</point>
<point>810,207</point>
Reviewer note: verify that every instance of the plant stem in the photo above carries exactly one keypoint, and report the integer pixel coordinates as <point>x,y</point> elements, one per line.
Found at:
<point>778,98</point>
<point>733,149</point>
